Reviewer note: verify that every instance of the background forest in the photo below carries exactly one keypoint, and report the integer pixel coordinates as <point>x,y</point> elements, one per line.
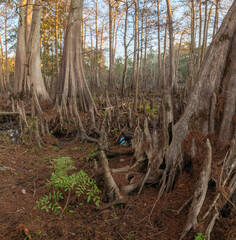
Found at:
<point>194,25</point>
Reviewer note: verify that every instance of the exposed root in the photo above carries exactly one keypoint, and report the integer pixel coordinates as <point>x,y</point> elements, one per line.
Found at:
<point>200,192</point>
<point>111,189</point>
<point>130,188</point>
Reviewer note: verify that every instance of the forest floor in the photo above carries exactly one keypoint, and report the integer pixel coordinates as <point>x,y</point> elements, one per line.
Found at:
<point>23,173</point>
<point>24,170</point>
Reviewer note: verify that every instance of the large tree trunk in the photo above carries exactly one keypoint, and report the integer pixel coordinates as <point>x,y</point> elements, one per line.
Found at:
<point>33,65</point>
<point>27,62</point>
<point>216,75</point>
<point>71,82</point>
<point>20,59</point>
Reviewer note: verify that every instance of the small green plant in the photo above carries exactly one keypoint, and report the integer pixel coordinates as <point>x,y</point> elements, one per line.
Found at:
<point>75,148</point>
<point>200,236</point>
<point>62,185</point>
<point>151,111</point>
<point>27,237</point>
<point>93,154</point>
<point>33,236</point>
<point>131,235</point>
<point>115,132</point>
<point>113,214</point>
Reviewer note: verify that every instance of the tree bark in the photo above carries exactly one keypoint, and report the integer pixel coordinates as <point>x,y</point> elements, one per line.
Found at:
<point>71,82</point>
<point>8,86</point>
<point>203,49</point>
<point>172,80</point>
<point>134,74</point>
<point>29,14</point>
<point>192,45</point>
<point>97,77</point>
<point>125,50</point>
<point>56,39</point>
<point>111,81</point>
<point>200,34</point>
<point>27,61</point>
<point>211,77</point>
<point>159,82</point>
<point>216,22</point>
<point>20,59</point>
<point>2,88</point>
<point>33,64</point>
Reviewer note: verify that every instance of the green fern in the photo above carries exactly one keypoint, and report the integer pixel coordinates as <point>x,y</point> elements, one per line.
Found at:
<point>200,236</point>
<point>60,182</point>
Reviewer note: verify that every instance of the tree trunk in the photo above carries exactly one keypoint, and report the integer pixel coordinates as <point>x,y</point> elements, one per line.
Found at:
<point>6,58</point>
<point>145,55</point>
<point>208,23</point>
<point>29,13</point>
<point>125,50</point>
<point>71,82</point>
<point>134,74</point>
<point>204,34</point>
<point>101,64</point>
<point>172,80</point>
<point>27,61</point>
<point>111,81</point>
<point>159,82</point>
<point>200,34</point>
<point>136,54</point>
<point>92,63</point>
<point>33,65</point>
<point>97,77</point>
<point>141,45</point>
<point>20,59</point>
<point>3,85</point>
<point>163,76</point>
<point>2,88</point>
<point>192,45</point>
<point>178,54</point>
<point>216,72</point>
<point>56,39</point>
<point>216,22</point>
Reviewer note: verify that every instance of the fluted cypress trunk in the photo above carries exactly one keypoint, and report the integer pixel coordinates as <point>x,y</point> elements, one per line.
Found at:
<point>71,82</point>
<point>27,62</point>
<point>216,75</point>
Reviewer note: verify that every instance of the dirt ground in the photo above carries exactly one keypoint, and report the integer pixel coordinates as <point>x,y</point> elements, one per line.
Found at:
<point>23,173</point>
